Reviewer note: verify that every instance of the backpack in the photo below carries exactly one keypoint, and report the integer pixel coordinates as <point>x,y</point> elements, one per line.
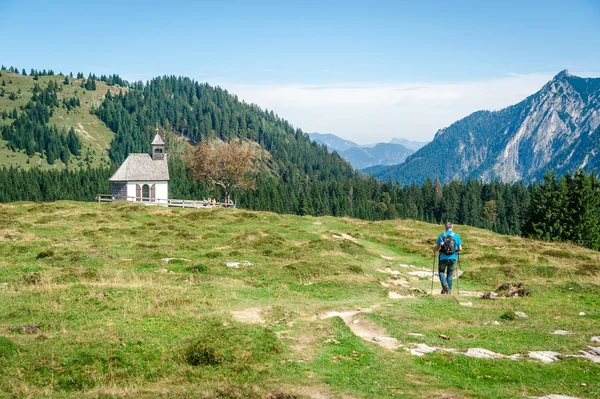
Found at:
<point>448,244</point>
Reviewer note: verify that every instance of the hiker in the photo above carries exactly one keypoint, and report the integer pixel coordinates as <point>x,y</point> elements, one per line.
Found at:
<point>449,244</point>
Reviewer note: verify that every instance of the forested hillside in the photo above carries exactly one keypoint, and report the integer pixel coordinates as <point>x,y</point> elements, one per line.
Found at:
<point>45,119</point>
<point>298,176</point>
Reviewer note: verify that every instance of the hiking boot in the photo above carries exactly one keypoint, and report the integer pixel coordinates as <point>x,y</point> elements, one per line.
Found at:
<point>444,289</point>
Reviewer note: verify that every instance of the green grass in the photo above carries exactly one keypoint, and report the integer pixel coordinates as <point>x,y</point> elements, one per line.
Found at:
<point>95,135</point>
<point>113,324</point>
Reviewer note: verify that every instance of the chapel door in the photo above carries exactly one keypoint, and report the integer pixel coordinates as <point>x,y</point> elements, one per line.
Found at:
<point>145,192</point>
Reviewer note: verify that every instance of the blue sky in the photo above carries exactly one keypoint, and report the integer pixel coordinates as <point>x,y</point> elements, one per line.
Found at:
<point>289,55</point>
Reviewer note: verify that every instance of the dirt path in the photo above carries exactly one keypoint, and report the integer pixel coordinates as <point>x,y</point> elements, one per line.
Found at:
<point>365,329</point>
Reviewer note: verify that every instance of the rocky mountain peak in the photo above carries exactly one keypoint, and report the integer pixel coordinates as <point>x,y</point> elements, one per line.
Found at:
<point>556,128</point>
<point>562,74</point>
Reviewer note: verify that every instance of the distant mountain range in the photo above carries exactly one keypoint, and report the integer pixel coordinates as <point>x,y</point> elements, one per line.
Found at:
<point>556,128</point>
<point>364,156</point>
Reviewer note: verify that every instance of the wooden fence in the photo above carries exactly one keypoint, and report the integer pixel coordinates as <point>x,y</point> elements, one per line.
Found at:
<point>177,203</point>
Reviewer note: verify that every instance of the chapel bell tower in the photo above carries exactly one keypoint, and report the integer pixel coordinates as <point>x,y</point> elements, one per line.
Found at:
<point>158,148</point>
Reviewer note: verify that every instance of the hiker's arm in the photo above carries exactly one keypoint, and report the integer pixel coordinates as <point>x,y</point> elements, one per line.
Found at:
<point>459,248</point>
<point>436,248</point>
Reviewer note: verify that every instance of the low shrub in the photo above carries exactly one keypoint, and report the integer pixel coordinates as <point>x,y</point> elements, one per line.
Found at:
<point>45,254</point>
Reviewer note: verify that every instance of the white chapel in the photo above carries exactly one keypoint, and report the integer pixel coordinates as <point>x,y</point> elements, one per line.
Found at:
<point>143,177</point>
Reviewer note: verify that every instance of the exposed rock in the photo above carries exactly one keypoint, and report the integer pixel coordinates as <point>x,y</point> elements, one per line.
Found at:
<point>562,332</point>
<point>545,356</point>
<point>591,353</point>
<point>467,304</point>
<point>162,270</point>
<point>493,323</point>
<point>415,335</point>
<point>481,353</point>
<point>554,397</point>
<point>386,257</point>
<point>236,265</point>
<point>422,350</point>
<point>521,315</point>
<point>581,314</point>
<point>595,339</point>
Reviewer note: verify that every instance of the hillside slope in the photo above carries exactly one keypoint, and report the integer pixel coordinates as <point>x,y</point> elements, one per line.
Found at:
<point>555,128</point>
<point>124,300</point>
<point>93,133</point>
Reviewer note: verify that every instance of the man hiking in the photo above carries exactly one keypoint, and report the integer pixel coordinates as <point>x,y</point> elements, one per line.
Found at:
<point>449,244</point>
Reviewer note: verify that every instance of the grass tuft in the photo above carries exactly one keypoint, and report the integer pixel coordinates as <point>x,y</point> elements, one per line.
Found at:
<point>45,254</point>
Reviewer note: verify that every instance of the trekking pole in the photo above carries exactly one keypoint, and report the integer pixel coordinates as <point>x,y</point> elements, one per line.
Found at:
<point>432,273</point>
<point>457,272</point>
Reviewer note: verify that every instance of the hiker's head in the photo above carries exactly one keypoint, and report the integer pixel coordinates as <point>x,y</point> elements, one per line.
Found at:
<point>449,226</point>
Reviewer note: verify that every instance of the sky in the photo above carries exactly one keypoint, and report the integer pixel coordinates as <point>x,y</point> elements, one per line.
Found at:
<point>367,71</point>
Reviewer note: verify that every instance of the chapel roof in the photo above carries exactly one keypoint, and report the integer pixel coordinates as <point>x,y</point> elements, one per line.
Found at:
<point>141,167</point>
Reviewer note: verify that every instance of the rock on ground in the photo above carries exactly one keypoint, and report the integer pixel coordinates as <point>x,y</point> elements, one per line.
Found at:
<point>545,356</point>
<point>481,353</point>
<point>250,315</point>
<point>591,353</point>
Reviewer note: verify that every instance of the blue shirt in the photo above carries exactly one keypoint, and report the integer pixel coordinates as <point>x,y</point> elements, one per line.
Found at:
<point>457,242</point>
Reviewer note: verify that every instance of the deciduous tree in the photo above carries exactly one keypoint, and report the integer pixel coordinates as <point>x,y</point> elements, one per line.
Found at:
<point>229,165</point>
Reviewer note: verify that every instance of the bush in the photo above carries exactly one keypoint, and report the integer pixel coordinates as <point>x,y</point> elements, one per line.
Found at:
<point>508,316</point>
<point>45,254</point>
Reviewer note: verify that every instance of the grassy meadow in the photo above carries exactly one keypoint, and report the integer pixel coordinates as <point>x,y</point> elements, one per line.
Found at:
<point>124,300</point>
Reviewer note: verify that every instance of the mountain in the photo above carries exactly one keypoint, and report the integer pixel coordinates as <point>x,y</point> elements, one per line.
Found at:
<point>364,156</point>
<point>380,154</point>
<point>332,142</point>
<point>556,128</point>
<point>412,145</point>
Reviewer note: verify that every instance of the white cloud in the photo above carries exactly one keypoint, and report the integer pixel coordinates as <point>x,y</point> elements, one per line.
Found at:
<point>378,112</point>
